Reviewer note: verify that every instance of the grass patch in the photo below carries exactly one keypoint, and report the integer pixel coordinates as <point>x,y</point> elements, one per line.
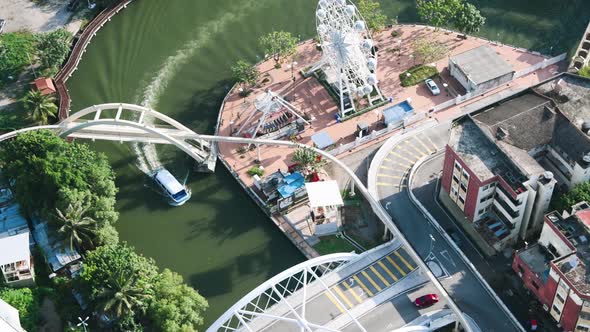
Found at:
<point>16,49</point>
<point>417,75</point>
<point>585,71</point>
<point>333,244</point>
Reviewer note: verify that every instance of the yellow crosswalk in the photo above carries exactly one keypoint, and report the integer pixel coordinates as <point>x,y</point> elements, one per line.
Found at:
<point>401,157</point>
<point>379,275</point>
<point>411,146</point>
<point>424,145</point>
<point>396,266</point>
<point>343,297</point>
<point>387,270</point>
<point>358,281</point>
<point>431,142</point>
<point>389,176</point>
<point>333,300</point>
<point>404,260</point>
<point>418,148</point>
<point>352,292</point>
<point>417,156</point>
<point>397,162</point>
<point>371,280</point>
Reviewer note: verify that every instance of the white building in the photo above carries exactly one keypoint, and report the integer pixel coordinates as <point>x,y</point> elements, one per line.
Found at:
<point>480,69</point>
<point>9,319</point>
<point>15,260</point>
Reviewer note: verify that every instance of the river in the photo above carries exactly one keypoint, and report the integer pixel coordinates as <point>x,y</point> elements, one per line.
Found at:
<point>175,56</point>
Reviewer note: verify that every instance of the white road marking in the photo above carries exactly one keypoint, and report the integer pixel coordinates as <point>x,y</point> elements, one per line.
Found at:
<point>387,206</point>
<point>446,255</point>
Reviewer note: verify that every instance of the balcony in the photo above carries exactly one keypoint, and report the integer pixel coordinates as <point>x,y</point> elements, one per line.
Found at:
<point>508,197</point>
<point>506,209</point>
<point>500,215</point>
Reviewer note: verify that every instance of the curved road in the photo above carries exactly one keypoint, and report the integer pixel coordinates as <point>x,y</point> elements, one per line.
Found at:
<point>388,179</point>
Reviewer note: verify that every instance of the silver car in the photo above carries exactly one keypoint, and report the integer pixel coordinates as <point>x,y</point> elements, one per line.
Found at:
<point>432,87</point>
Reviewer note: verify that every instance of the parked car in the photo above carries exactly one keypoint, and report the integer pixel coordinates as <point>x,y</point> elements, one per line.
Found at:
<point>2,24</point>
<point>432,87</point>
<point>426,300</point>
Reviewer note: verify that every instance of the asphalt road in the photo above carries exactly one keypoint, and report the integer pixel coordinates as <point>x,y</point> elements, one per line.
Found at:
<point>462,285</point>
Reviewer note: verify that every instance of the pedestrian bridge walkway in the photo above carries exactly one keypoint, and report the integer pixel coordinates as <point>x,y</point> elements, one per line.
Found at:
<point>326,293</point>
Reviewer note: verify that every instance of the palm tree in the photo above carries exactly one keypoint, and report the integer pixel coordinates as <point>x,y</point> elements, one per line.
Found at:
<point>74,226</point>
<point>122,296</point>
<point>40,107</point>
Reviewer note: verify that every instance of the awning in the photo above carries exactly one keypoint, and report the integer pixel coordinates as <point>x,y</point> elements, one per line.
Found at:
<point>323,193</point>
<point>292,182</point>
<point>322,140</point>
<point>14,248</point>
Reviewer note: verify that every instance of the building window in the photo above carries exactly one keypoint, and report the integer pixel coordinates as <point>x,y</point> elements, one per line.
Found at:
<point>457,166</point>
<point>462,200</point>
<point>481,211</point>
<point>556,309</point>
<point>520,269</point>
<point>581,328</point>
<point>585,315</point>
<point>535,285</point>
<point>559,298</point>
<point>465,174</point>
<point>463,187</point>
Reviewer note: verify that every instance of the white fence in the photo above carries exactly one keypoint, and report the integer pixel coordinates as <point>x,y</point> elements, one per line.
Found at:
<point>543,64</point>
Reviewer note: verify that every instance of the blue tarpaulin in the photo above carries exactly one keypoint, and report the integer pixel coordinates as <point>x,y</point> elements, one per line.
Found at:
<point>397,113</point>
<point>292,182</point>
<point>322,140</point>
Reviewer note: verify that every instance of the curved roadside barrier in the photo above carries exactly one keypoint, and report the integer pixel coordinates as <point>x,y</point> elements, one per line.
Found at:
<point>76,54</point>
<point>419,163</point>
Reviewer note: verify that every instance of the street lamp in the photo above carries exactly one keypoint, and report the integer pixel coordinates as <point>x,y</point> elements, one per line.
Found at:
<point>446,86</point>
<point>83,323</point>
<point>432,240</point>
<point>243,93</point>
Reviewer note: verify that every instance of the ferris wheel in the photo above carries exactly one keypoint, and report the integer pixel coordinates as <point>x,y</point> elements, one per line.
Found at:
<point>348,60</point>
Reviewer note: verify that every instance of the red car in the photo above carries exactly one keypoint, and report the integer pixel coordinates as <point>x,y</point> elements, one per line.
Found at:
<point>426,300</point>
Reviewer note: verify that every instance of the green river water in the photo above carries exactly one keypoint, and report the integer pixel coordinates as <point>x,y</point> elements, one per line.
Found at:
<point>175,56</point>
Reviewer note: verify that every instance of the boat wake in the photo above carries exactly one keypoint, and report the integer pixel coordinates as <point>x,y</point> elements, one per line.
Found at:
<point>147,156</point>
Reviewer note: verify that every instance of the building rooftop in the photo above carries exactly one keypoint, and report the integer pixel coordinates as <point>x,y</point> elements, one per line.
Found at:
<point>537,258</point>
<point>576,228</point>
<point>571,94</point>
<point>481,155</point>
<point>482,64</point>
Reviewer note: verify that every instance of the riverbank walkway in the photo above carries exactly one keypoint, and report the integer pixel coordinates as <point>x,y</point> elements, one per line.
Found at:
<point>395,56</point>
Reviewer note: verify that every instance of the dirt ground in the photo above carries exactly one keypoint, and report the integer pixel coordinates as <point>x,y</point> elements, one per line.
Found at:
<point>27,15</point>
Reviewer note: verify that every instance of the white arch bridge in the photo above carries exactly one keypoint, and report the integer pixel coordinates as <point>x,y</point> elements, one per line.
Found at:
<point>127,123</point>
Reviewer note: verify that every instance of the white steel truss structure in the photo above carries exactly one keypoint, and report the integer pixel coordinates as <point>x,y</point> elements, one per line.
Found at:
<point>348,59</point>
<point>283,298</point>
<point>268,104</point>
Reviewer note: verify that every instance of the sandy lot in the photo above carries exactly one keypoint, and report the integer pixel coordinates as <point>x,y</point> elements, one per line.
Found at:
<point>24,14</point>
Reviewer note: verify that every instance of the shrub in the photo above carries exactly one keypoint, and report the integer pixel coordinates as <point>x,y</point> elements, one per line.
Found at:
<point>255,170</point>
<point>417,75</point>
<point>585,71</point>
<point>26,302</point>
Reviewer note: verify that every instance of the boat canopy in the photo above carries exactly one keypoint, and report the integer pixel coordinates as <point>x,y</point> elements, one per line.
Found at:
<point>169,182</point>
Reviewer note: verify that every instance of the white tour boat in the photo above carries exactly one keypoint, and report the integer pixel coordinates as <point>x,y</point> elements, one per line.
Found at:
<point>176,192</point>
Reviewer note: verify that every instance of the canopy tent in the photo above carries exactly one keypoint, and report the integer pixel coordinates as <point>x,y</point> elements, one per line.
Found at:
<point>292,182</point>
<point>322,140</point>
<point>14,249</point>
<point>324,193</point>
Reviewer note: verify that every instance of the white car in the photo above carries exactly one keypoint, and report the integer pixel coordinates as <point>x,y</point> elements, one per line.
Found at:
<point>432,87</point>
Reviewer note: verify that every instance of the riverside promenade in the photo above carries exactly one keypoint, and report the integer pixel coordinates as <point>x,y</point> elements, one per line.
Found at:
<point>395,56</point>
<point>81,41</point>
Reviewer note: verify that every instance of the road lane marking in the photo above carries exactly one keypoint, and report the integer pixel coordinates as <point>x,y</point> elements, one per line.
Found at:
<point>358,281</point>
<point>446,255</point>
<point>385,167</point>
<point>343,297</point>
<point>415,147</point>
<point>387,270</point>
<point>410,152</point>
<point>397,162</point>
<point>402,157</point>
<point>334,301</point>
<point>404,261</point>
<point>420,152</point>
<point>396,266</point>
<point>384,184</point>
<point>371,280</point>
<point>389,176</point>
<point>379,275</point>
<point>431,142</point>
<point>424,145</point>
<point>353,293</point>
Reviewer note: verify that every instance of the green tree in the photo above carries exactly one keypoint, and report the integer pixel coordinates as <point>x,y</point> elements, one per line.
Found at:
<point>580,192</point>
<point>437,13</point>
<point>176,306</point>
<point>118,282</point>
<point>468,19</point>
<point>371,12</point>
<point>75,227</point>
<point>308,161</point>
<point>279,45</point>
<point>50,173</point>
<point>426,50</point>
<point>245,73</point>
<point>52,49</point>
<point>40,107</point>
<point>26,302</point>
